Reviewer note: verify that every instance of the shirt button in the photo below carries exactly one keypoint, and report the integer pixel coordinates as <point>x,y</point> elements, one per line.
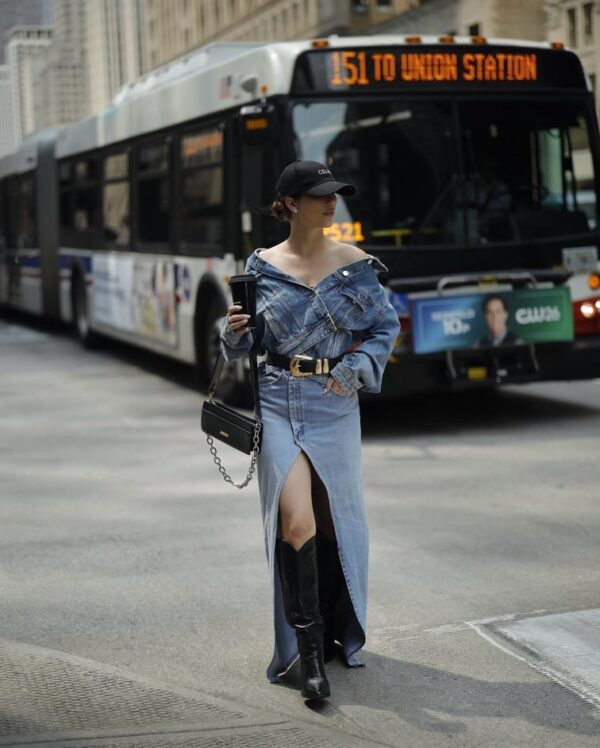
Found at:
<point>345,272</point>
<point>369,262</point>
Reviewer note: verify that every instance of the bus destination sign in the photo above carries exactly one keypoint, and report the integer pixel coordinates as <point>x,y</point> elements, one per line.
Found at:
<point>352,68</point>
<point>381,69</point>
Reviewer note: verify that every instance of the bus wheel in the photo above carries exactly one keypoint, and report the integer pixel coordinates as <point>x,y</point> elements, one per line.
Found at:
<point>208,332</point>
<point>80,310</point>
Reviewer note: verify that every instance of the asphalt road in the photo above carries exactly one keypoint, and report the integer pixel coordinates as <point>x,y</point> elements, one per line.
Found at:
<point>129,569</point>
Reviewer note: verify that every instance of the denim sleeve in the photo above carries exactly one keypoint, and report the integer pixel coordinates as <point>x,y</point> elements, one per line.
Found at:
<point>233,345</point>
<point>364,367</point>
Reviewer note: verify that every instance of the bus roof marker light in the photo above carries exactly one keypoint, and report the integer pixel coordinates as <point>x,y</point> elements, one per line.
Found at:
<point>264,90</point>
<point>446,39</point>
<point>557,45</point>
<point>478,40</point>
<point>594,281</point>
<point>320,43</point>
<point>412,39</point>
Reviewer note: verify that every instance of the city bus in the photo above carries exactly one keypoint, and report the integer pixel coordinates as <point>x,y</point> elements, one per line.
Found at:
<point>477,164</point>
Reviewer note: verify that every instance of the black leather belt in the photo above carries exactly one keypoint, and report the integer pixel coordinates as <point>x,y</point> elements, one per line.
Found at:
<point>303,366</point>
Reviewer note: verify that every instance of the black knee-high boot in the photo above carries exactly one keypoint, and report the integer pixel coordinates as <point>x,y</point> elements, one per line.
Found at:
<point>300,585</point>
<point>330,585</point>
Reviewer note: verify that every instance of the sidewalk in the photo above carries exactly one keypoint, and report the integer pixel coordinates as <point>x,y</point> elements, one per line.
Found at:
<point>49,698</point>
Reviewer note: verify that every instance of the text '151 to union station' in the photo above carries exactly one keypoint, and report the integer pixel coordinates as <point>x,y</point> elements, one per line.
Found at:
<point>362,68</point>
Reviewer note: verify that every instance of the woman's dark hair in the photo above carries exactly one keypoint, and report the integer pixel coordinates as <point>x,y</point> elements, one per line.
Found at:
<point>494,297</point>
<point>280,211</point>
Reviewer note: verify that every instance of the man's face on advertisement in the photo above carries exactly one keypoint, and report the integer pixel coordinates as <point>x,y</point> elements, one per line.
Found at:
<point>496,317</point>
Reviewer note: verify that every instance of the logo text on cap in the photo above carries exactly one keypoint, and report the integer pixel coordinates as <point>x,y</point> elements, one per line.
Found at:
<point>324,171</point>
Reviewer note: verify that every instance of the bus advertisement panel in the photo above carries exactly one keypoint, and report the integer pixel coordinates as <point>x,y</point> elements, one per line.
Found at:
<point>490,320</point>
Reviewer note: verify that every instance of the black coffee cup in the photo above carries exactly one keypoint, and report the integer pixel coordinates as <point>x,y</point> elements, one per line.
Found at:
<point>243,292</point>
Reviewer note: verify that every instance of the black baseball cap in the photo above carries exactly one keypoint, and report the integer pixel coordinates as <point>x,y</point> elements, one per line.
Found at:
<point>310,178</point>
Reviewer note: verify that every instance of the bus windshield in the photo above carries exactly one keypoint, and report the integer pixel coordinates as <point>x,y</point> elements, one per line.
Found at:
<point>455,173</point>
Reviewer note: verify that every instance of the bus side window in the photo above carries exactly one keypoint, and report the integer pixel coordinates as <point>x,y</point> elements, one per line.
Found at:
<point>115,200</point>
<point>201,157</point>
<point>79,203</point>
<point>19,228</point>
<point>154,191</point>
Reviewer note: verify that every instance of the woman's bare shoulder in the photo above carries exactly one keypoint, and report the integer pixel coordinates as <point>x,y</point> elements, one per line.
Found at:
<point>267,252</point>
<point>349,253</point>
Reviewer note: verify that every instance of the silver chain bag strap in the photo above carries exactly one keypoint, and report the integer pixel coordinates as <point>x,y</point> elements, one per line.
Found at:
<point>219,421</point>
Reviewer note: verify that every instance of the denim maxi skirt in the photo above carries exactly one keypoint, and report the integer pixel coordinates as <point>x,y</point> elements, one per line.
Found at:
<point>299,416</point>
<point>347,312</point>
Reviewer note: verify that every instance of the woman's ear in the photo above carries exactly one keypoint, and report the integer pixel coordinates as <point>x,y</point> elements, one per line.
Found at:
<point>290,205</point>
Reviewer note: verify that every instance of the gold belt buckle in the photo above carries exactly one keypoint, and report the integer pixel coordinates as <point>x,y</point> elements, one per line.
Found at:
<point>295,365</point>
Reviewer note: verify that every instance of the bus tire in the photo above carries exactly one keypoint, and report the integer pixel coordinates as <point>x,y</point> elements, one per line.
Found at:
<point>207,340</point>
<point>80,311</point>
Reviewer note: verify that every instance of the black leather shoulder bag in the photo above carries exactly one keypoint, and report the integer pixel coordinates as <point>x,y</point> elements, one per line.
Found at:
<point>219,421</point>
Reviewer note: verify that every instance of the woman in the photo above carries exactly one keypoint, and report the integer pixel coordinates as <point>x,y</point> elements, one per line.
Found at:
<point>317,300</point>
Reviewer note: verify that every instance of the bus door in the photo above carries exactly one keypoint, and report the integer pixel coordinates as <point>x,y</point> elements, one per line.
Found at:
<point>261,163</point>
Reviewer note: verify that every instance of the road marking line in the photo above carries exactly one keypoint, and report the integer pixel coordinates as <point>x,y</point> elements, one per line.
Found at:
<point>573,685</point>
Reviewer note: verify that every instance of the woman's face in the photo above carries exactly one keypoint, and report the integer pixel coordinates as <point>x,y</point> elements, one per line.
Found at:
<point>313,211</point>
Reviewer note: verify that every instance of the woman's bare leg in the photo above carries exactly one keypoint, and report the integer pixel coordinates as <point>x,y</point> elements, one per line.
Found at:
<point>295,504</point>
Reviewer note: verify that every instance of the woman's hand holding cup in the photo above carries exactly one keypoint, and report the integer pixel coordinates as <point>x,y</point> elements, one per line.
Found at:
<point>237,322</point>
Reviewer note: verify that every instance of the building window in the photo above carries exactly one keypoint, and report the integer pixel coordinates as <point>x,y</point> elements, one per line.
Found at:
<point>202,188</point>
<point>474,29</point>
<point>360,6</point>
<point>592,78</point>
<point>384,4</point>
<point>154,192</point>
<point>572,26</point>
<point>588,23</point>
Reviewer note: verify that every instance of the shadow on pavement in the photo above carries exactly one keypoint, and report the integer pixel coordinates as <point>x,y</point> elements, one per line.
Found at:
<point>404,692</point>
<point>495,410</point>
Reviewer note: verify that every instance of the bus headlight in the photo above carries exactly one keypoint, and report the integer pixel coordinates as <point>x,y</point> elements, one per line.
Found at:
<point>588,309</point>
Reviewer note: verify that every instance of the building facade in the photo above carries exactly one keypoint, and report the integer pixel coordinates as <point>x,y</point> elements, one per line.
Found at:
<point>24,55</point>
<point>8,139</point>
<point>171,28</point>
<point>577,24</point>
<point>112,43</point>
<point>22,13</point>
<point>508,19</point>
<point>60,88</point>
